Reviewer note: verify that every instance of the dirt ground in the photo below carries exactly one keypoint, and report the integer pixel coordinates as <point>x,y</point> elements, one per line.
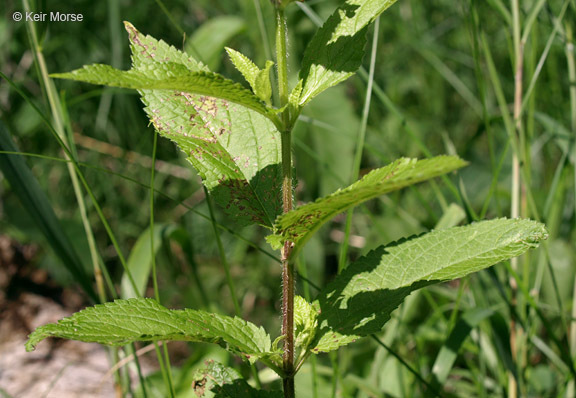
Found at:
<point>57,368</point>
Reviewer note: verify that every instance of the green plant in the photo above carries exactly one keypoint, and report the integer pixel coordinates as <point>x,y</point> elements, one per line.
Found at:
<point>241,146</point>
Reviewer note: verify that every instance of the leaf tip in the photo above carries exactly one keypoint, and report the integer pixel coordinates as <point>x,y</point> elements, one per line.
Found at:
<point>35,337</point>
<point>30,345</point>
<point>536,233</point>
<point>129,27</point>
<point>58,75</point>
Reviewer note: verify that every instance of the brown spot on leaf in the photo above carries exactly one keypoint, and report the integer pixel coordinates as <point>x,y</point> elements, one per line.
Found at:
<point>199,387</point>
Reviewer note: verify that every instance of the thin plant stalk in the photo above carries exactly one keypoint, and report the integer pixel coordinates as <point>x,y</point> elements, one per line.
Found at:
<point>262,29</point>
<point>360,142</point>
<point>165,361</point>
<point>515,332</point>
<point>56,109</point>
<point>70,159</point>
<point>170,17</point>
<point>287,267</point>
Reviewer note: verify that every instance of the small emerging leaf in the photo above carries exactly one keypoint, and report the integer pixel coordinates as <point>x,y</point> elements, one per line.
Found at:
<point>361,299</point>
<point>262,86</point>
<point>244,65</point>
<point>125,321</point>
<point>298,225</point>
<point>294,97</point>
<point>305,322</point>
<point>259,79</point>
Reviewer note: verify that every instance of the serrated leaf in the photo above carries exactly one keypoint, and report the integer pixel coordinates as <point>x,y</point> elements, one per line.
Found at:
<point>294,97</point>
<point>236,152</point>
<point>259,79</point>
<point>361,299</point>
<point>244,65</point>
<point>298,225</point>
<point>125,321</point>
<point>219,381</point>
<point>147,50</point>
<point>305,322</point>
<point>335,52</point>
<point>169,76</point>
<point>227,133</point>
<point>262,86</point>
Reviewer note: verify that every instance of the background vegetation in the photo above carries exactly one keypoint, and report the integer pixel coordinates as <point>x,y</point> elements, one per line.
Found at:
<point>444,82</point>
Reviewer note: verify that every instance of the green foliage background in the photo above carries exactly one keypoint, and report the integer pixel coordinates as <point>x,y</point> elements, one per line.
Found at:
<point>433,94</point>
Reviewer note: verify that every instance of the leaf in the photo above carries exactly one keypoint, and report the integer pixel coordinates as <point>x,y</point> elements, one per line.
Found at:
<point>360,300</point>
<point>219,381</point>
<point>298,225</point>
<point>208,41</point>
<point>125,321</point>
<point>147,50</point>
<point>227,133</point>
<point>244,65</point>
<point>294,97</point>
<point>305,322</point>
<point>259,79</point>
<point>262,86</point>
<point>236,152</point>
<point>335,52</point>
<point>169,76</point>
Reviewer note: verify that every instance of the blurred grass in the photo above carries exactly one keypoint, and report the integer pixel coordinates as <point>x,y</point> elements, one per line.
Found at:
<point>443,83</point>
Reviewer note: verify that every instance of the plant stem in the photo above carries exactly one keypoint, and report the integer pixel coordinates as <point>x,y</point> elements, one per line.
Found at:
<point>287,269</point>
<point>56,110</point>
<point>515,332</point>
<point>282,66</point>
<point>164,363</point>
<point>360,143</point>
